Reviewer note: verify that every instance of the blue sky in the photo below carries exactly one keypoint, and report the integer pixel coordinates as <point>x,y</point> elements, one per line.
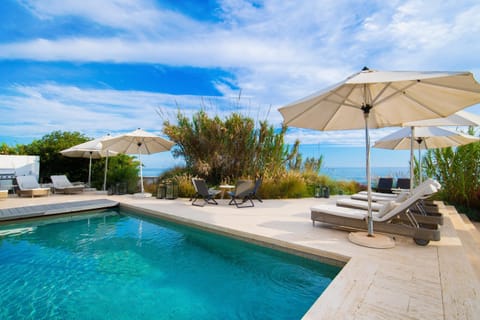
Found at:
<point>103,67</point>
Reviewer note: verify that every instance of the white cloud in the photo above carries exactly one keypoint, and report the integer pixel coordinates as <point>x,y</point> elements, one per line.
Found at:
<point>96,112</point>
<point>134,17</point>
<point>279,51</point>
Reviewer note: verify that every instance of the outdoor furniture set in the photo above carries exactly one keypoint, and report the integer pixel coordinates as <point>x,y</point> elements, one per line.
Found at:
<point>29,187</point>
<point>242,196</point>
<point>403,214</point>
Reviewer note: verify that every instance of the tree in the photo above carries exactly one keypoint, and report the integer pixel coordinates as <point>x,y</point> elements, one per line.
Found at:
<point>228,149</point>
<point>52,161</point>
<point>122,169</point>
<point>458,171</point>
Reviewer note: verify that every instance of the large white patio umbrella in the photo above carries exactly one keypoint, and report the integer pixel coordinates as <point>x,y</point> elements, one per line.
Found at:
<point>93,150</point>
<point>426,138</point>
<point>375,99</point>
<point>138,142</point>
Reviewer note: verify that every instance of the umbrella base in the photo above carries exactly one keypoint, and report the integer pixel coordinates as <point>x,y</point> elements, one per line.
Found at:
<point>377,241</point>
<point>142,195</point>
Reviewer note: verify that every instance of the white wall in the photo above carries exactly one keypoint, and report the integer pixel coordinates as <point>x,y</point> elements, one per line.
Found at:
<point>20,165</point>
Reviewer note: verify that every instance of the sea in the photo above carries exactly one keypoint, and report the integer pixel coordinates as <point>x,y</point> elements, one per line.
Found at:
<point>357,174</point>
<point>340,163</point>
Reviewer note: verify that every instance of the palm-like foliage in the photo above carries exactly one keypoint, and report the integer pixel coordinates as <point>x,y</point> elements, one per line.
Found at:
<point>223,150</point>
<point>458,170</point>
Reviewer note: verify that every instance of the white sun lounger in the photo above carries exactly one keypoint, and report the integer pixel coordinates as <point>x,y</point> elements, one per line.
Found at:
<point>28,186</point>
<point>377,196</point>
<point>393,217</point>
<point>61,184</point>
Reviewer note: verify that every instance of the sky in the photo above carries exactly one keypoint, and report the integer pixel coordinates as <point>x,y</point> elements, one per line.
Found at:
<point>101,67</point>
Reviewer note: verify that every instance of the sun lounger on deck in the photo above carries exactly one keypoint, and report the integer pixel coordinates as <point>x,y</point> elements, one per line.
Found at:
<point>422,212</point>
<point>3,194</point>
<point>384,185</point>
<point>376,196</point>
<point>393,217</point>
<point>426,206</point>
<point>61,184</point>
<point>28,186</point>
<point>403,183</point>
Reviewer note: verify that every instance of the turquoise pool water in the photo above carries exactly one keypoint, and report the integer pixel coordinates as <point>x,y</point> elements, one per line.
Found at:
<point>119,265</point>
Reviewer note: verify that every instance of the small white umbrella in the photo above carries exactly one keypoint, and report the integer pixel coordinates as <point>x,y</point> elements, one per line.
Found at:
<point>138,142</point>
<point>376,99</point>
<point>426,138</point>
<point>460,118</point>
<point>93,150</point>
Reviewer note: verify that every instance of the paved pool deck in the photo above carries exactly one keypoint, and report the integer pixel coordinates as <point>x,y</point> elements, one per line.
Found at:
<point>439,281</point>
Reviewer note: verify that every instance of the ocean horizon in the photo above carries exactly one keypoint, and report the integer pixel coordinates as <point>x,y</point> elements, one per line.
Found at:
<point>357,174</point>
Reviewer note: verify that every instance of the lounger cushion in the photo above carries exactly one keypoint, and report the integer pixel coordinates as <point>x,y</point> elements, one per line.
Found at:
<point>387,206</point>
<point>339,211</point>
<point>402,197</point>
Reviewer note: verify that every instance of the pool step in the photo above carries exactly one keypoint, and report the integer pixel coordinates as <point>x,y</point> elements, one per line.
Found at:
<point>56,208</point>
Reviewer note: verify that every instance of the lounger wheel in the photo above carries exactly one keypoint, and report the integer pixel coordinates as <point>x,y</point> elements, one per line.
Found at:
<point>421,242</point>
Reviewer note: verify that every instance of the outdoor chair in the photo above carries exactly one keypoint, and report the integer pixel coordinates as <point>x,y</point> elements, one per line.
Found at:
<point>28,186</point>
<point>243,192</point>
<point>202,192</point>
<point>384,185</point>
<point>403,183</point>
<point>61,184</point>
<point>254,194</point>
<point>395,218</point>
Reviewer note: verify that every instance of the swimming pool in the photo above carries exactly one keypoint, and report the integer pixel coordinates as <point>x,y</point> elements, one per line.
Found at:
<point>121,265</point>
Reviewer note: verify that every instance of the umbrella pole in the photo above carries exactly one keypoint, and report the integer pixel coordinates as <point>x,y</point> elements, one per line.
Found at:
<point>419,161</point>
<point>90,170</point>
<point>105,173</point>
<point>366,111</point>
<point>141,173</point>
<point>368,239</point>
<point>412,174</point>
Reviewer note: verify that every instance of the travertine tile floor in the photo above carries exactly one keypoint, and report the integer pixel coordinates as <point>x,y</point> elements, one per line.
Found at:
<point>439,281</point>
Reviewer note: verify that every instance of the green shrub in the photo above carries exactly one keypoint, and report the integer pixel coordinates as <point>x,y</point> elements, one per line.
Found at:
<point>291,184</point>
<point>185,186</point>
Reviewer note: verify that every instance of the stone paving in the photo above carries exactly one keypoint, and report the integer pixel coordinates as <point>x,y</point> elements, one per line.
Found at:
<point>439,281</point>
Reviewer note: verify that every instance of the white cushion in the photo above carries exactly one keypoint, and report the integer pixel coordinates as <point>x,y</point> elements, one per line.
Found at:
<point>386,208</point>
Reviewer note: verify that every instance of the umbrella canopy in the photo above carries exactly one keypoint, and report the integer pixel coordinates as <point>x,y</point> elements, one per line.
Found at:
<point>375,99</point>
<point>138,142</point>
<point>426,138</point>
<point>460,118</point>
<point>91,149</point>
<point>411,95</point>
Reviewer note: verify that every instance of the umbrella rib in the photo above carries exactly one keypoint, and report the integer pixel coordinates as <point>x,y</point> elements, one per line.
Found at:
<point>352,105</point>
<point>423,105</point>
<point>344,99</point>
<point>396,92</point>
<point>311,106</point>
